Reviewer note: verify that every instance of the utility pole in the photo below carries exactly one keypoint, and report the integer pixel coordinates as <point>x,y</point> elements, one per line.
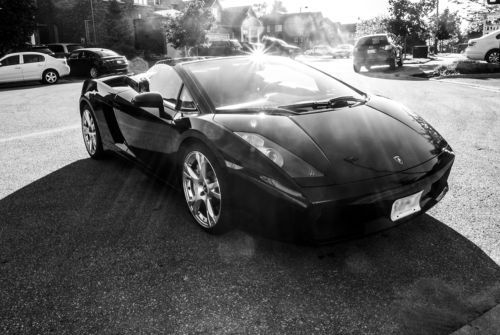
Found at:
<point>437,28</point>
<point>93,21</point>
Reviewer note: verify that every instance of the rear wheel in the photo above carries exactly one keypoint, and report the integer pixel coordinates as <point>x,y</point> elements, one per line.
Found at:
<point>356,67</point>
<point>493,56</point>
<point>50,77</point>
<point>205,188</point>
<point>91,135</point>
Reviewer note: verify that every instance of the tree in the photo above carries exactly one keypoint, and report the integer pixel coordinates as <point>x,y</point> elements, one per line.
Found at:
<point>375,25</point>
<point>278,7</point>
<point>407,19</point>
<point>448,25</point>
<point>117,29</point>
<point>17,23</point>
<point>190,27</point>
<point>474,12</point>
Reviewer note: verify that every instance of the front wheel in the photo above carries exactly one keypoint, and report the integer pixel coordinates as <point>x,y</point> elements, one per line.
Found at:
<point>91,135</point>
<point>205,190</point>
<point>50,77</point>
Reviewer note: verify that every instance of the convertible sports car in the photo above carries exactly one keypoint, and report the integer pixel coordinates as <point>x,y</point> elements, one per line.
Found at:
<point>273,136</point>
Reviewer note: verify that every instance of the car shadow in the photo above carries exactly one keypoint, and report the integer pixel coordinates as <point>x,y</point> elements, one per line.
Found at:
<point>101,247</point>
<point>400,73</point>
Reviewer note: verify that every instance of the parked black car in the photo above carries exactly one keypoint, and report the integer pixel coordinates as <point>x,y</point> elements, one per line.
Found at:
<point>62,50</point>
<point>94,62</point>
<point>296,142</point>
<point>380,49</point>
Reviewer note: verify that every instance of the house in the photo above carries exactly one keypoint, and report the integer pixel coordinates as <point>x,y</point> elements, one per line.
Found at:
<point>491,23</point>
<point>239,23</point>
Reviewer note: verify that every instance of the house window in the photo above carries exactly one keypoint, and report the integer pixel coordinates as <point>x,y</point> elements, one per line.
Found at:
<point>278,28</point>
<point>141,2</point>
<point>157,2</point>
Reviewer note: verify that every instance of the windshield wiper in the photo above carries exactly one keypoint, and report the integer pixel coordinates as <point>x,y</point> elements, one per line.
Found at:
<point>253,110</point>
<point>342,101</point>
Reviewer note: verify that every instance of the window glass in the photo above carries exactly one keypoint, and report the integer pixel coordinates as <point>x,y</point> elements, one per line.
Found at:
<point>73,55</point>
<point>106,53</point>
<point>12,60</point>
<point>56,48</point>
<point>186,99</point>
<point>165,80</point>
<point>32,58</point>
<point>264,82</point>
<point>73,47</point>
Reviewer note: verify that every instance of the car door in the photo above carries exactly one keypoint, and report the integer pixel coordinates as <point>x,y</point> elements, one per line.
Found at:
<point>10,69</point>
<point>33,66</point>
<point>74,63</point>
<point>149,135</point>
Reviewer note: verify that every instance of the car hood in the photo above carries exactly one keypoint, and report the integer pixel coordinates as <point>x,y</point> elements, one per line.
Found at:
<point>371,140</point>
<point>350,144</point>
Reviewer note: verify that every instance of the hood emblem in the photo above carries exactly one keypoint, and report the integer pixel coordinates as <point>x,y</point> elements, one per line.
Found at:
<point>398,160</point>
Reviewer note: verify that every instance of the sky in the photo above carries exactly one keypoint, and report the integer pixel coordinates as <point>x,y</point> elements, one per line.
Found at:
<point>345,11</point>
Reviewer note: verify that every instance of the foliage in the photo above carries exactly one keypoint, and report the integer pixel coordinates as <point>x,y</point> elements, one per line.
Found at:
<point>189,28</point>
<point>278,7</point>
<point>375,25</point>
<point>448,25</point>
<point>117,30</point>
<point>474,12</point>
<point>17,23</point>
<point>407,19</point>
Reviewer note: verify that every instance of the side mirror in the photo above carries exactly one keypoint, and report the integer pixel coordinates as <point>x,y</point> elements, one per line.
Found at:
<point>151,100</point>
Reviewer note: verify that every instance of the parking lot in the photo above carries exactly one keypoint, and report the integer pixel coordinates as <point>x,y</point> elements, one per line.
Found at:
<point>100,247</point>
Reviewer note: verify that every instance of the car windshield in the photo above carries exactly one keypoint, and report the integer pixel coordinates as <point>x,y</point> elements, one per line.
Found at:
<point>264,82</point>
<point>73,47</point>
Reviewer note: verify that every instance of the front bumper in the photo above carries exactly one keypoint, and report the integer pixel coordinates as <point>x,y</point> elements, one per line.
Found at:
<point>332,212</point>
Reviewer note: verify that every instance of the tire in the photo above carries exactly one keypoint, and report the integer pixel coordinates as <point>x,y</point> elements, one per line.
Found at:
<point>91,135</point>
<point>392,64</point>
<point>400,61</point>
<point>94,72</point>
<point>50,77</point>
<point>493,56</point>
<point>206,193</point>
<point>368,67</point>
<point>356,67</point>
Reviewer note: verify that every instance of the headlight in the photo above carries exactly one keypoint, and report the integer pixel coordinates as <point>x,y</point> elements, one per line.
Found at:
<point>293,165</point>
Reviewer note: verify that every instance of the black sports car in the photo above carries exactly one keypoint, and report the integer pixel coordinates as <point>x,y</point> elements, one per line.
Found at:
<point>271,135</point>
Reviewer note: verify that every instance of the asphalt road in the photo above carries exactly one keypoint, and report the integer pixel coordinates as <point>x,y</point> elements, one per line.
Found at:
<point>99,247</point>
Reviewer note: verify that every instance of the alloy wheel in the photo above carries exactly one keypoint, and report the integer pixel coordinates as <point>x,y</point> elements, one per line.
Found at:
<point>494,57</point>
<point>201,189</point>
<point>93,72</point>
<point>89,132</point>
<point>50,77</point>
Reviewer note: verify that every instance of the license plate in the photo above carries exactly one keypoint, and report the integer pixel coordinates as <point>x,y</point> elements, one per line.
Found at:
<point>371,51</point>
<point>406,206</point>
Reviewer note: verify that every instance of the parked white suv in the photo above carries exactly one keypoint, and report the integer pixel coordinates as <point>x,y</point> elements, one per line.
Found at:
<point>485,48</point>
<point>25,66</point>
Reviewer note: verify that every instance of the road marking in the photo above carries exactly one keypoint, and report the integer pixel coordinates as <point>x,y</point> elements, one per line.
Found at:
<point>479,87</point>
<point>40,133</point>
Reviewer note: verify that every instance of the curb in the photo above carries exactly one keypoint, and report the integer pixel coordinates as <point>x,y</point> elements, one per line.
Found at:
<point>486,324</point>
